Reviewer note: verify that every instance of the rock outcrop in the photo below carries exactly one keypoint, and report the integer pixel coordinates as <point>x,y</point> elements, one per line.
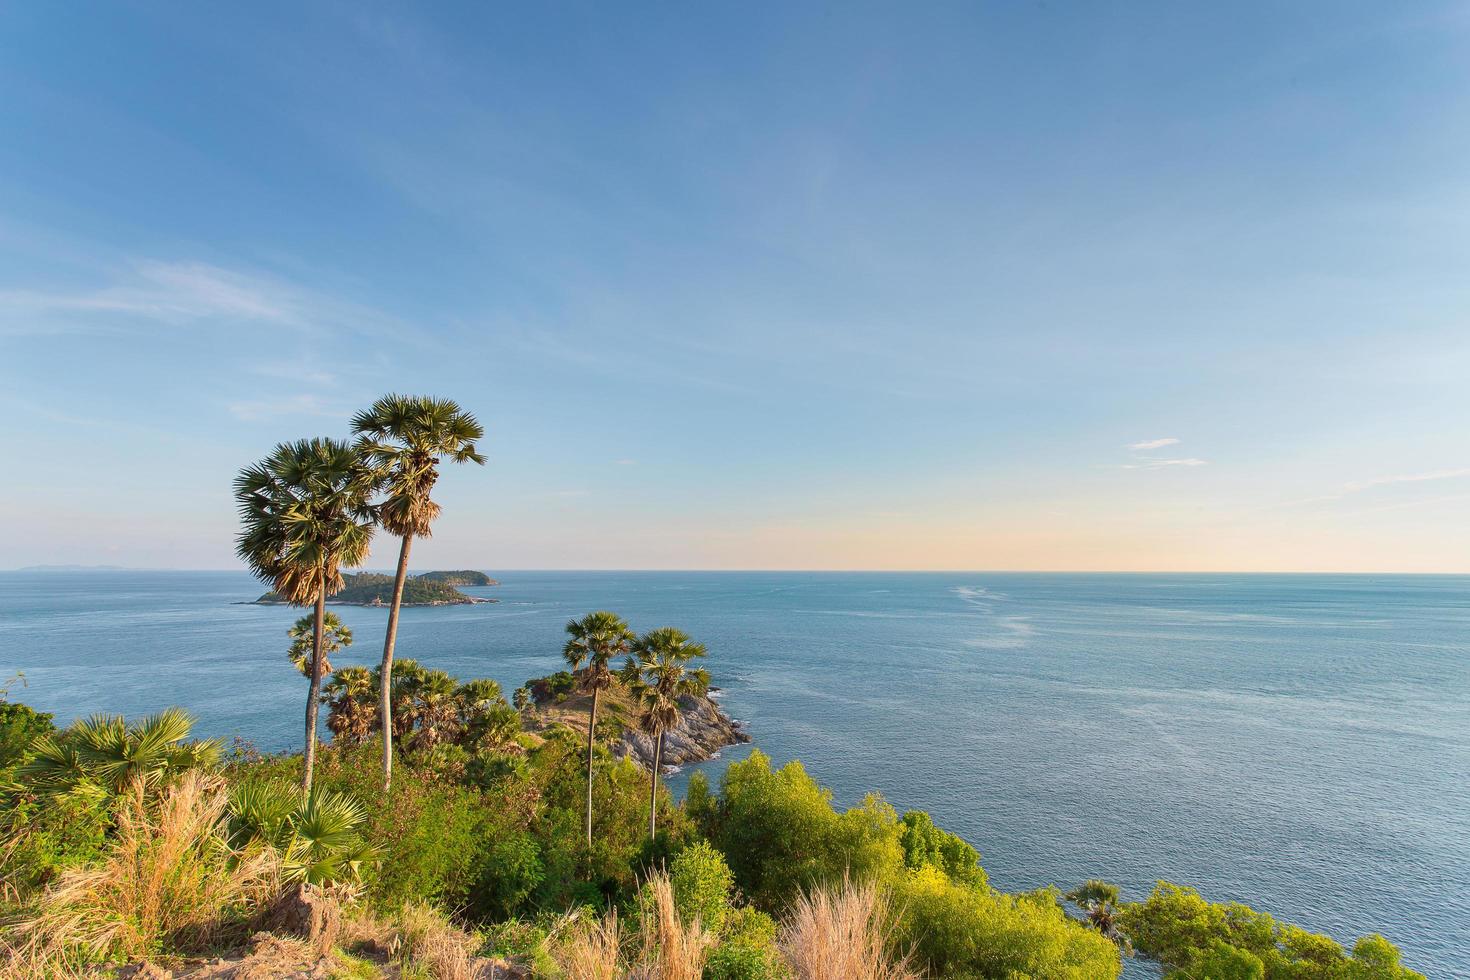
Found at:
<point>703,730</point>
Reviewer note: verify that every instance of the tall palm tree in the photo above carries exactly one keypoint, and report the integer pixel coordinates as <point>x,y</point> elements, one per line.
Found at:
<point>592,642</point>
<point>405,437</point>
<point>306,515</point>
<point>658,678</point>
<point>335,636</point>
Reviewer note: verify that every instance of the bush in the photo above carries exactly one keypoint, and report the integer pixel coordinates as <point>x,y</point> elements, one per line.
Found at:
<point>960,931</point>
<point>510,874</point>
<point>702,881</point>
<point>20,726</point>
<point>1180,929</point>
<point>926,845</point>
<point>780,834</point>
<point>432,837</point>
<point>747,949</point>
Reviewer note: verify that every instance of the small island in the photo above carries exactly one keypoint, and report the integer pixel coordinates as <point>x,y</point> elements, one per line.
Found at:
<point>459,578</point>
<point>703,729</point>
<point>374,589</point>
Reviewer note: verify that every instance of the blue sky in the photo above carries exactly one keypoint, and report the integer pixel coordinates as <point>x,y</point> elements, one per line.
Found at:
<point>1005,285</point>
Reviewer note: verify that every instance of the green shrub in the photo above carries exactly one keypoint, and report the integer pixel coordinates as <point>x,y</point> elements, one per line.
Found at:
<point>20,726</point>
<point>780,834</point>
<point>1190,935</point>
<point>925,844</point>
<point>432,836</point>
<point>747,948</point>
<point>960,931</point>
<point>702,881</point>
<point>510,874</point>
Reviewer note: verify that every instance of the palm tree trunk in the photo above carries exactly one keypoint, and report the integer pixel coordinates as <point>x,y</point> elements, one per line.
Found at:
<point>591,733</point>
<point>385,703</point>
<point>316,687</point>
<point>658,754</point>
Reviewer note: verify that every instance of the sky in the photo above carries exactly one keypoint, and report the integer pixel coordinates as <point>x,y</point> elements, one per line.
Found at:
<point>1019,285</point>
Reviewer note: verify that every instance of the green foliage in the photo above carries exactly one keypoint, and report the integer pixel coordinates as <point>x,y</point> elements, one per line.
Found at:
<point>780,834</point>
<point>747,948</point>
<point>1192,936</point>
<point>104,755</point>
<point>430,835</point>
<point>702,882</point>
<point>553,688</point>
<point>20,726</point>
<point>335,636</point>
<point>459,577</point>
<point>925,845</point>
<point>961,931</point>
<point>319,835</point>
<point>1094,893</point>
<point>46,836</point>
<point>509,876</point>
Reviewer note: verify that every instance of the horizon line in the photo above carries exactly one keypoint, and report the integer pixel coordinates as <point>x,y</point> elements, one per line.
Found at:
<point>74,568</point>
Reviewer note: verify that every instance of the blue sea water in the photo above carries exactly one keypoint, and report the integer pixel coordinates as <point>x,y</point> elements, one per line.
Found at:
<point>1300,743</point>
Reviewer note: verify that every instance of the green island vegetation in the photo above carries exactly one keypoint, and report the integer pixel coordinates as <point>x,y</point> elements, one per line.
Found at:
<point>510,840</point>
<point>373,589</point>
<point>459,577</point>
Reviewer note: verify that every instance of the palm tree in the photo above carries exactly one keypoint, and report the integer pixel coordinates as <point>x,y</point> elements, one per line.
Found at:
<point>104,755</point>
<point>1099,899</point>
<point>306,516</point>
<point>435,708</point>
<point>405,437</point>
<point>318,836</point>
<point>351,697</point>
<point>335,636</point>
<point>658,679</point>
<point>593,641</point>
<point>521,698</point>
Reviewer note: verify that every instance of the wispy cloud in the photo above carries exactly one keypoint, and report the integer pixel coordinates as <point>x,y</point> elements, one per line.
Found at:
<point>269,408</point>
<point>625,462</point>
<point>1359,486</point>
<point>183,293</point>
<point>1384,481</point>
<point>303,373</point>
<point>1159,464</point>
<point>1142,462</point>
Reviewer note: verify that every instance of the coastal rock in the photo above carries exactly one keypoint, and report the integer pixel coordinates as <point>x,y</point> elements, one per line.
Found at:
<point>703,730</point>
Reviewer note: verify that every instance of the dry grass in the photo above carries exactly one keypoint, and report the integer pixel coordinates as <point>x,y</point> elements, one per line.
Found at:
<point>664,947</point>
<point>429,942</point>
<point>841,935</point>
<point>169,882</point>
<point>671,949</point>
<point>591,949</point>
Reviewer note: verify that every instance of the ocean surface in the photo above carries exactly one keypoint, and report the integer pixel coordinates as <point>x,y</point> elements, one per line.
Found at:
<point>1300,743</point>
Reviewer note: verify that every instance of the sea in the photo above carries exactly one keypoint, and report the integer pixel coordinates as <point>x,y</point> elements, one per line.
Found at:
<point>1300,743</point>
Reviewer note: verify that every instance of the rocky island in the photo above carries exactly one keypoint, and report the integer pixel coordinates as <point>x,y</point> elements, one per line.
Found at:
<point>428,589</point>
<point>704,728</point>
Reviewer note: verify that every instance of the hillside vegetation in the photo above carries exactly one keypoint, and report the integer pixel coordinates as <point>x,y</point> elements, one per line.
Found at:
<point>458,578</point>
<point>372,589</point>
